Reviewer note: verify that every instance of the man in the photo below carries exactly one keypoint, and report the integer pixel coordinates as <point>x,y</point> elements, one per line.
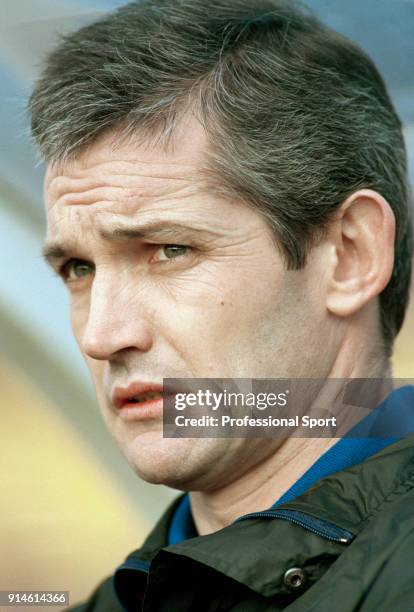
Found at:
<point>226,197</point>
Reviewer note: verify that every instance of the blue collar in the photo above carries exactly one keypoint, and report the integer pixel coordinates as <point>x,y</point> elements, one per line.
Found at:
<point>380,429</point>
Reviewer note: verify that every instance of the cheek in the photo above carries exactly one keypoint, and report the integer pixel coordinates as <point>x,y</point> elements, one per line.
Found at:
<point>215,328</point>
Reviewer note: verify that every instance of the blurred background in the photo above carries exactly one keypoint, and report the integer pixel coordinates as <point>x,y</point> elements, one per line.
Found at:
<point>72,508</point>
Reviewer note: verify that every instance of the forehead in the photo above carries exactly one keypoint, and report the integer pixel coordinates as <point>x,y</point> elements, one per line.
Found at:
<point>108,165</point>
<point>139,190</point>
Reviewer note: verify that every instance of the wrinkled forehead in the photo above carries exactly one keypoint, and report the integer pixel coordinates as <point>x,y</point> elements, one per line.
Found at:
<point>150,165</point>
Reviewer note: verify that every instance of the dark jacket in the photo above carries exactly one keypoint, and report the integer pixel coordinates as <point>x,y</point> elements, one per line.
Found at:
<point>347,544</point>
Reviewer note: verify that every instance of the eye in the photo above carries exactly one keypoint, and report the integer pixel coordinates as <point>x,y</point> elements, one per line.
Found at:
<point>171,251</point>
<point>74,269</point>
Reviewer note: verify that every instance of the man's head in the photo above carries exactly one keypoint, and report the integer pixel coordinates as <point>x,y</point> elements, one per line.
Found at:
<point>229,176</point>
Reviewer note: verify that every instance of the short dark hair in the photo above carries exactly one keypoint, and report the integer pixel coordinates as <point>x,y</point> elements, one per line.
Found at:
<point>297,116</point>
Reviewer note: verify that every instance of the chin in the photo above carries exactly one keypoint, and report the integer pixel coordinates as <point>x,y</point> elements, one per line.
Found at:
<point>184,464</point>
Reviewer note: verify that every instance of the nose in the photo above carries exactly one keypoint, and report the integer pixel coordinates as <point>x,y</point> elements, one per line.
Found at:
<point>116,322</point>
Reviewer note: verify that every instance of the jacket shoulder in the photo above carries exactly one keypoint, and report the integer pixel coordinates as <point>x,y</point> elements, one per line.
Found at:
<point>393,587</point>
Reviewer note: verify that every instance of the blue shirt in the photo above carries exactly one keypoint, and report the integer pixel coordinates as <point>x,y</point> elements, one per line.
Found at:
<point>388,423</point>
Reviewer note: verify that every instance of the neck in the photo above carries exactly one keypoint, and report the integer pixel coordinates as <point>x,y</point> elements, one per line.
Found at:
<point>258,488</point>
<point>265,482</point>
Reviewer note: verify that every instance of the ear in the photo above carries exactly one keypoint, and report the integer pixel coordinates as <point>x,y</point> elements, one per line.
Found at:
<point>362,248</point>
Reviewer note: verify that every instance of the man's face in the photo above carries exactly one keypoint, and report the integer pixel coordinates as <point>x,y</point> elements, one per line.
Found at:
<point>168,279</point>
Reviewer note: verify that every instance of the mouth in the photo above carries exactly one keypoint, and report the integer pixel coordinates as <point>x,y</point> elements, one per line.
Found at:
<point>139,401</point>
<point>142,398</point>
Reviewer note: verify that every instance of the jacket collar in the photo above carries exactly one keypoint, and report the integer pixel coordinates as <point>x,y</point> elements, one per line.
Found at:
<point>249,551</point>
<point>351,497</point>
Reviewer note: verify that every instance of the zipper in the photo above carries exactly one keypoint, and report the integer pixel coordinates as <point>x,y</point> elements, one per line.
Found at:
<point>320,527</point>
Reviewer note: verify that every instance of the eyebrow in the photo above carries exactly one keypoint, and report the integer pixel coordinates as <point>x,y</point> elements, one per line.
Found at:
<point>55,251</point>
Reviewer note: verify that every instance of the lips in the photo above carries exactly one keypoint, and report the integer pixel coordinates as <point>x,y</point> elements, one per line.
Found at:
<point>136,394</point>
